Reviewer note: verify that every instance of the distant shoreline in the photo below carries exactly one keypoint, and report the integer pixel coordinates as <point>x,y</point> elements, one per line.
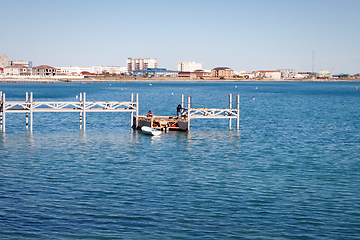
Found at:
<point>141,79</point>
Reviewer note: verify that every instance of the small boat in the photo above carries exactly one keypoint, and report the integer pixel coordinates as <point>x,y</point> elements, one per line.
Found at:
<point>150,131</point>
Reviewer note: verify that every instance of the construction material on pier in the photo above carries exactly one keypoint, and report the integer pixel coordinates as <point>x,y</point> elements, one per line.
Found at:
<point>164,123</point>
<point>82,107</point>
<point>182,122</point>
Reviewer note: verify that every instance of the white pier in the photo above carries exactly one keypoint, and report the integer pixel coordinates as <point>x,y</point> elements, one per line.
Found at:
<point>204,113</point>
<point>82,107</point>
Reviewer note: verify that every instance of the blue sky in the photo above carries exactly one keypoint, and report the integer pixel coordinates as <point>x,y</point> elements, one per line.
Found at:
<point>243,35</point>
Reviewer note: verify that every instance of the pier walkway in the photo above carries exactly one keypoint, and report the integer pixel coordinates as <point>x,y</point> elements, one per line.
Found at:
<point>181,122</point>
<point>82,107</point>
<point>206,113</point>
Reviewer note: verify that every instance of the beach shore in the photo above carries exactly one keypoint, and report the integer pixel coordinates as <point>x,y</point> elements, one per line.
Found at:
<point>163,79</point>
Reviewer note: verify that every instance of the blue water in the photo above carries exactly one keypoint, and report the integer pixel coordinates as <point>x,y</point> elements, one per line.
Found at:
<point>291,172</point>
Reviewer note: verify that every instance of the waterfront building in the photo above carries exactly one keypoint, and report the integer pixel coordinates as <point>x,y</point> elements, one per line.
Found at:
<point>17,70</point>
<point>43,71</point>
<point>306,75</point>
<point>299,76</point>
<point>246,75</point>
<point>109,69</point>
<point>288,73</point>
<point>21,62</point>
<point>324,74</point>
<point>189,66</point>
<point>224,72</point>
<point>273,74</point>
<point>155,72</point>
<point>73,70</point>
<point>4,61</point>
<point>77,71</point>
<point>140,64</point>
<point>195,74</point>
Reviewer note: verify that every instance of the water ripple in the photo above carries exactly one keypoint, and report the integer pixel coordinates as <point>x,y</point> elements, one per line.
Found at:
<point>292,172</point>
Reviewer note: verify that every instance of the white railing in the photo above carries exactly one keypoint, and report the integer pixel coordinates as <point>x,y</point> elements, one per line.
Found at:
<point>82,106</point>
<point>194,113</point>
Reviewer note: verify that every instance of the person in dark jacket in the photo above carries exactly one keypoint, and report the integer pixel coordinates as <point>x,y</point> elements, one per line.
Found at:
<point>178,110</point>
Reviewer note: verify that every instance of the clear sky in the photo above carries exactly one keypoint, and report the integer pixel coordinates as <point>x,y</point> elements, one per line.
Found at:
<point>241,34</point>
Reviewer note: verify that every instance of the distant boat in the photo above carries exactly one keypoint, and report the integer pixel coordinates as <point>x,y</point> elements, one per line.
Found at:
<point>150,131</point>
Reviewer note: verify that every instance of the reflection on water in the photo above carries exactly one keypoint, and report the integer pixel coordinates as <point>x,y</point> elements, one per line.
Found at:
<point>2,137</point>
<point>30,138</point>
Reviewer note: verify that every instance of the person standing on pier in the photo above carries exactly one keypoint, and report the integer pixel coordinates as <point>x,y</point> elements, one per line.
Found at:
<point>178,111</point>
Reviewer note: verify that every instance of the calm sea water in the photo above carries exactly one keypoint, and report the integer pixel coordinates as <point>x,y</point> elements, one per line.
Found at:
<point>291,172</point>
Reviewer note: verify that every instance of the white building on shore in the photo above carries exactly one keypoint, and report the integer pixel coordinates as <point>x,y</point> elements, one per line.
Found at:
<point>76,71</point>
<point>246,75</point>
<point>288,73</point>
<point>21,62</point>
<point>273,74</point>
<point>189,66</point>
<point>43,71</point>
<point>140,64</point>
<point>324,74</point>
<point>109,69</point>
<point>72,70</point>
<point>17,70</point>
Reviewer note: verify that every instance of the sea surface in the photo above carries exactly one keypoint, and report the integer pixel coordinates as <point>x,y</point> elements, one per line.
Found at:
<point>292,171</point>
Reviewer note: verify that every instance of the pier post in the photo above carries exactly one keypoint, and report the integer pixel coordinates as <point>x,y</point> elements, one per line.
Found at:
<point>80,114</point>
<point>137,110</point>
<point>132,113</point>
<point>230,106</point>
<point>31,112</point>
<point>3,113</point>
<point>238,112</point>
<point>188,114</point>
<point>84,112</point>
<point>27,114</point>
<point>27,120</point>
<point>182,100</point>
<point>182,105</point>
